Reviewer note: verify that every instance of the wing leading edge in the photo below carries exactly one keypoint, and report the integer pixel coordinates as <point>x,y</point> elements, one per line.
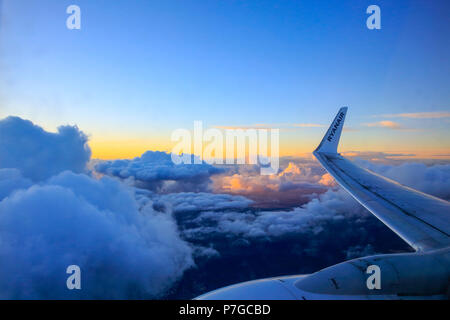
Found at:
<point>423,221</point>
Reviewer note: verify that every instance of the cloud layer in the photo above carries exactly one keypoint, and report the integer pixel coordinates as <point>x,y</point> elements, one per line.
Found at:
<point>201,201</point>
<point>431,179</point>
<point>294,185</point>
<point>385,124</point>
<point>331,206</point>
<point>136,231</point>
<point>420,115</point>
<point>155,170</point>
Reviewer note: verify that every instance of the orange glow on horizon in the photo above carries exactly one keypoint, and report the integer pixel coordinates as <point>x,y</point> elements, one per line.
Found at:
<point>121,148</point>
<point>124,149</point>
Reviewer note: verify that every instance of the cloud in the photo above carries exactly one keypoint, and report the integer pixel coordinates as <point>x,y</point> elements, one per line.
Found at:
<point>205,252</point>
<point>123,252</point>
<point>375,155</point>
<point>327,180</point>
<point>330,206</point>
<point>292,186</point>
<point>257,243</point>
<point>155,170</point>
<point>51,218</point>
<point>11,180</point>
<point>190,201</point>
<point>292,170</point>
<point>420,115</point>
<point>39,154</point>
<point>360,251</point>
<point>431,179</point>
<point>385,124</point>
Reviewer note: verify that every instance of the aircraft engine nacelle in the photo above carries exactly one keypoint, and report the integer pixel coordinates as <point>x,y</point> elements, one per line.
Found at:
<point>408,275</point>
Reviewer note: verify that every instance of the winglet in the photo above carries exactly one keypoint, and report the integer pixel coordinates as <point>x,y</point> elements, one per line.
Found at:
<point>330,141</point>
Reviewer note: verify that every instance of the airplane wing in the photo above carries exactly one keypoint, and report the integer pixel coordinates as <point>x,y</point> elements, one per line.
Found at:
<point>422,220</point>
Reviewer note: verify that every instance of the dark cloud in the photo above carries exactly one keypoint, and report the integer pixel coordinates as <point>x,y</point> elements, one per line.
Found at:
<point>330,206</point>
<point>359,251</point>
<point>257,244</point>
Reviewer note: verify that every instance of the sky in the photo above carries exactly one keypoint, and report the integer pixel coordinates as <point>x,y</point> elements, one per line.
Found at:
<point>136,71</point>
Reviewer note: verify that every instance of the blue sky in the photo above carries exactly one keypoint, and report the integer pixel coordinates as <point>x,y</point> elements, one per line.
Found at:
<point>138,70</point>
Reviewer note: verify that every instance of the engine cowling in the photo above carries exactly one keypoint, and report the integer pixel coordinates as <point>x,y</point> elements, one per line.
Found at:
<point>410,274</point>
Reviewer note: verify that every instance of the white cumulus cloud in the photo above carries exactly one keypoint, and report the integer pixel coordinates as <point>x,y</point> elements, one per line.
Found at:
<point>123,252</point>
<point>39,154</point>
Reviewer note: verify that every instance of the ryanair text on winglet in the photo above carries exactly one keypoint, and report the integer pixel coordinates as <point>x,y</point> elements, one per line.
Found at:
<point>335,126</point>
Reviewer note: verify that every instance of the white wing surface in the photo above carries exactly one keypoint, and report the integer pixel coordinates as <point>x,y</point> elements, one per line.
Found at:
<point>423,221</point>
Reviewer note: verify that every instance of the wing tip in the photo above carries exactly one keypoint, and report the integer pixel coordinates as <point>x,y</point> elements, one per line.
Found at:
<point>330,141</point>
